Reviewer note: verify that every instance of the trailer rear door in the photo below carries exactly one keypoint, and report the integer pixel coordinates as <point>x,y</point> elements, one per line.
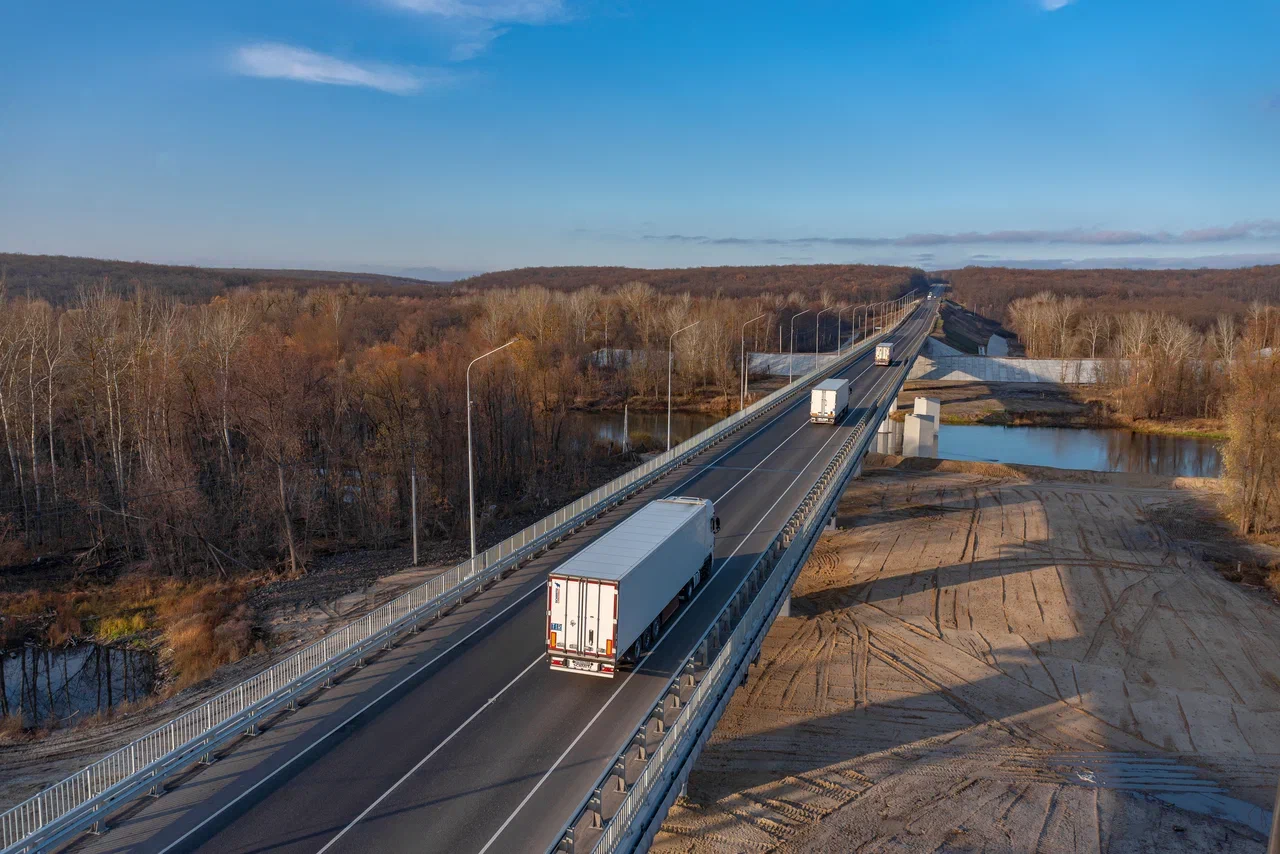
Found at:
<point>581,620</point>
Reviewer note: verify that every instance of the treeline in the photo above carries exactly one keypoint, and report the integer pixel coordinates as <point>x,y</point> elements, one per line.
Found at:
<point>252,428</point>
<point>1253,420</point>
<point>805,280</point>
<point>1197,297</point>
<point>58,279</point>
<point>1164,366</point>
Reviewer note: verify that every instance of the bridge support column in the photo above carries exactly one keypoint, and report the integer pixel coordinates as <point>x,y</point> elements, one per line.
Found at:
<point>920,436</point>
<point>786,606</point>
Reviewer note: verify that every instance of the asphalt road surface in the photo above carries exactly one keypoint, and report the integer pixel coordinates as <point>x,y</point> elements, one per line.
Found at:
<point>461,739</point>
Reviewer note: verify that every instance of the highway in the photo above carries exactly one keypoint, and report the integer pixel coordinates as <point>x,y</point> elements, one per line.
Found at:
<point>461,739</point>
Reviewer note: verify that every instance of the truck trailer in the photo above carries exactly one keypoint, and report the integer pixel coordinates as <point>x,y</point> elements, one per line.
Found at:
<point>606,605</point>
<point>829,401</point>
<point>884,355</point>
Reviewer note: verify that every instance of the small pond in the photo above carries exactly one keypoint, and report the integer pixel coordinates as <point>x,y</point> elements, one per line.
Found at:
<point>607,426</point>
<point>1089,449</point>
<point>56,687</point>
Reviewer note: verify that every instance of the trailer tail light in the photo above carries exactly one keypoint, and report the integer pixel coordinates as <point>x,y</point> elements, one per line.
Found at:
<point>552,642</point>
<point>608,647</point>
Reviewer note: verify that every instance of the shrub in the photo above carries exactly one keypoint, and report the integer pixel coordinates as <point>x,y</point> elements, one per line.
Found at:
<point>205,628</point>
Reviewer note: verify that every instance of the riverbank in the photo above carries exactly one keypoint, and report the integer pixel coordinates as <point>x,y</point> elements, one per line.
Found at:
<point>203,632</point>
<point>707,400</point>
<point>1046,405</point>
<point>993,657</point>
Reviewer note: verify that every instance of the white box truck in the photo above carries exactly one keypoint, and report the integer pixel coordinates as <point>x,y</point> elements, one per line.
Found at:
<point>606,604</point>
<point>884,354</point>
<point>829,401</point>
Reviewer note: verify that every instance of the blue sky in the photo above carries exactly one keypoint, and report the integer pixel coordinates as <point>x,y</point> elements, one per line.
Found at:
<point>485,134</point>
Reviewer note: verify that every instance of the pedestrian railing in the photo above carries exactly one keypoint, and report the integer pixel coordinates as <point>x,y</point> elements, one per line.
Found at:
<point>83,800</point>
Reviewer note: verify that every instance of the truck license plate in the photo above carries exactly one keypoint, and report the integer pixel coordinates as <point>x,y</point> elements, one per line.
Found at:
<point>584,665</point>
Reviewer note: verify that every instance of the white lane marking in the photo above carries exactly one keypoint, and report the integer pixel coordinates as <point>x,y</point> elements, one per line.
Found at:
<point>683,611</point>
<point>538,589</point>
<point>424,759</point>
<point>756,433</point>
<point>484,625</point>
<point>635,669</point>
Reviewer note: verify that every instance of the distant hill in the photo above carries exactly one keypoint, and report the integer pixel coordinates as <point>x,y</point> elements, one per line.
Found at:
<point>1197,296</point>
<point>57,278</point>
<point>808,279</point>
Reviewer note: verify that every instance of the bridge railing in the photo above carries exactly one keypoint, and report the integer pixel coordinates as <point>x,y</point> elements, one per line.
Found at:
<point>714,668</point>
<point>83,800</point>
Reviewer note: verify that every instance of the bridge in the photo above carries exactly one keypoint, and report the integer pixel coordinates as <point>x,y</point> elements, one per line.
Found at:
<point>435,724</point>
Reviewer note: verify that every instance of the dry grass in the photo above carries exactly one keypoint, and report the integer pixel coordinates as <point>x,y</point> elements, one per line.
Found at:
<point>11,729</point>
<point>201,625</point>
<point>204,628</point>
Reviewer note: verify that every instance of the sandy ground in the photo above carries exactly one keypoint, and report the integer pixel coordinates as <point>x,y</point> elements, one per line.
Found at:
<point>1044,405</point>
<point>983,660</point>
<point>1007,403</point>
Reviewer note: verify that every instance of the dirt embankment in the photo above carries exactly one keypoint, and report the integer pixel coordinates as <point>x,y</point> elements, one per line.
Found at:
<point>1000,658</point>
<point>1045,405</point>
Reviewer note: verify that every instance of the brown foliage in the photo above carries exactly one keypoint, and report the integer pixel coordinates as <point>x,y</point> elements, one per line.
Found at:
<point>219,437</point>
<point>1195,296</point>
<point>206,627</point>
<point>1253,418</point>
<point>856,281</point>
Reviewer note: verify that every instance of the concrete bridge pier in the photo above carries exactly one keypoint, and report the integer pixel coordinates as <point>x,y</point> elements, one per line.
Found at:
<point>920,429</point>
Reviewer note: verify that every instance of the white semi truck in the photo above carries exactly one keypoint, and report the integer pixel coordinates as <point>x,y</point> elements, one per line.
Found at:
<point>606,605</point>
<point>884,355</point>
<point>829,401</point>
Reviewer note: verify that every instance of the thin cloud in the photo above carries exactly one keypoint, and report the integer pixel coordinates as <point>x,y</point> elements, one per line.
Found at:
<point>1054,5</point>
<point>276,61</point>
<point>1259,229</point>
<point>475,24</point>
<point>1182,262</point>
<point>496,11</point>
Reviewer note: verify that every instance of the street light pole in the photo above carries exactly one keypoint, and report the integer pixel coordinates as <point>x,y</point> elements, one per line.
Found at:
<point>840,328</point>
<point>742,385</point>
<point>816,321</point>
<point>792,357</point>
<point>670,360</point>
<point>471,480</point>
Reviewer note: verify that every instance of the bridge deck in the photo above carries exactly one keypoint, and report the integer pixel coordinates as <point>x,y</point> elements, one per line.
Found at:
<point>461,739</point>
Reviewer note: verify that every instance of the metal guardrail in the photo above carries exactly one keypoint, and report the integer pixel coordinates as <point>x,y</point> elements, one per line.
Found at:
<point>82,800</point>
<point>714,668</point>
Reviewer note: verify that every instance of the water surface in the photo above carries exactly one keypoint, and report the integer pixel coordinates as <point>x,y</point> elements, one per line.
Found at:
<point>607,426</point>
<point>1088,449</point>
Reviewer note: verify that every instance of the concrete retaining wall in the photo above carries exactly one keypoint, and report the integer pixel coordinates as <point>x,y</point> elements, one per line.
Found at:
<point>1003,370</point>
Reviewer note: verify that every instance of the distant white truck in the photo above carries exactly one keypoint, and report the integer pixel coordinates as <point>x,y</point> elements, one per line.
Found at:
<point>884,355</point>
<point>606,605</point>
<point>829,401</point>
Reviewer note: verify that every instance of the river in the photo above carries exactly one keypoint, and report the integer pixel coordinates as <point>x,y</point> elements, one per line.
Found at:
<point>1089,449</point>
<point>1092,449</point>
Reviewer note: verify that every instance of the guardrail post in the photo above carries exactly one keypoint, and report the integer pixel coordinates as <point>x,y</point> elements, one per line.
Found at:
<point>596,808</point>
<point>640,741</point>
<point>99,826</point>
